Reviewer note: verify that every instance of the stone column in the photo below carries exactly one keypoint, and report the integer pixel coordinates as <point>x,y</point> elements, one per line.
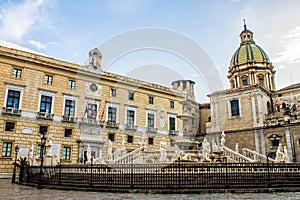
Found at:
<point>288,142</point>
<point>253,109</point>
<point>262,142</point>
<point>256,142</point>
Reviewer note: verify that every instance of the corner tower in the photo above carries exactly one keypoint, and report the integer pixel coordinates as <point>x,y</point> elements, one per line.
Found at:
<point>250,65</point>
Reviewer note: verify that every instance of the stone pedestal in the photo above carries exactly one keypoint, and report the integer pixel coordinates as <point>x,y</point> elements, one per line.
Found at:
<point>48,160</point>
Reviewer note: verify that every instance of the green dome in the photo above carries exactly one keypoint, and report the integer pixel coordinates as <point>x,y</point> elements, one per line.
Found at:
<point>248,53</point>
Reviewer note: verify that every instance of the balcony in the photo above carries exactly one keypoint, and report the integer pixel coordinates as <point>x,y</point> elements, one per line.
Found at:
<point>130,127</point>
<point>112,125</point>
<point>11,111</point>
<point>89,121</point>
<point>151,130</point>
<point>45,116</point>
<point>69,119</point>
<point>173,133</point>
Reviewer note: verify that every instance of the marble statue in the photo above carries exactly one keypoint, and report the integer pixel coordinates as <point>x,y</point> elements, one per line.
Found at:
<point>279,154</point>
<point>206,150</point>
<point>48,146</point>
<point>109,150</point>
<point>286,157</point>
<point>30,153</point>
<point>222,142</point>
<point>88,154</point>
<point>163,150</point>
<point>237,147</point>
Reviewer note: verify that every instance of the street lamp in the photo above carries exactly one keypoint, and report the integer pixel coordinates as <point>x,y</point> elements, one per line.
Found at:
<point>13,180</point>
<point>268,166</point>
<point>43,142</point>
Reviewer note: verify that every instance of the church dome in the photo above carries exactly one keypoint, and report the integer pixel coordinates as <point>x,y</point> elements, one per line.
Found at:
<point>248,52</point>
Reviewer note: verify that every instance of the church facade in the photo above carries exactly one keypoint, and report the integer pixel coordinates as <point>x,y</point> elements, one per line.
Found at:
<point>252,112</point>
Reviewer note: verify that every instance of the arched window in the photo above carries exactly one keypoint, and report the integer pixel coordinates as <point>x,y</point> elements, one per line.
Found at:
<point>245,80</point>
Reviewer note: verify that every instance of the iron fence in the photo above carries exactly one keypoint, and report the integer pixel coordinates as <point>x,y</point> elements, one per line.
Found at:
<point>178,175</point>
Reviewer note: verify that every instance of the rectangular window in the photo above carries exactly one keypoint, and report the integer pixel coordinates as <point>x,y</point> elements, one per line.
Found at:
<point>91,111</point>
<point>17,73</point>
<point>113,92</point>
<point>235,110</point>
<point>130,117</point>
<point>150,120</point>
<point>48,79</point>
<point>9,126</point>
<point>172,104</point>
<point>69,108</point>
<point>6,149</point>
<point>71,84</point>
<point>68,132</point>
<point>129,139</point>
<point>112,114</point>
<point>150,141</point>
<point>43,129</point>
<point>13,99</point>
<point>172,124</point>
<point>111,137</point>
<point>67,153</point>
<point>245,82</point>
<point>40,150</point>
<point>261,82</point>
<point>150,100</point>
<point>130,96</point>
<point>46,104</point>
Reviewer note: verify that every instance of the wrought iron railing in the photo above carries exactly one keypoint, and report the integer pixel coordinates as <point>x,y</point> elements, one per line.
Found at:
<point>175,176</point>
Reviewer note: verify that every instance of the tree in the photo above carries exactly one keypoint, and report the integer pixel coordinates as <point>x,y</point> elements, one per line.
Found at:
<point>22,162</point>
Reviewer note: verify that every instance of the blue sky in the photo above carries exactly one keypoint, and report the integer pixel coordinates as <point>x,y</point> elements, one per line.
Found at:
<point>69,29</point>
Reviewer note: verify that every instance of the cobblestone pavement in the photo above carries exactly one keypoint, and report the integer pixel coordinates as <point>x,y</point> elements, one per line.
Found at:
<point>15,191</point>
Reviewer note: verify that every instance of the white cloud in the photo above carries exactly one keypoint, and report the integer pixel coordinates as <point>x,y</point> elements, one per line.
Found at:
<point>38,45</point>
<point>291,48</point>
<point>16,46</point>
<point>16,20</point>
<point>234,1</point>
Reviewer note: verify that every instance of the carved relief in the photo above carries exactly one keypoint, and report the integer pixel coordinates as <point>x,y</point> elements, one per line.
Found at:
<point>93,89</point>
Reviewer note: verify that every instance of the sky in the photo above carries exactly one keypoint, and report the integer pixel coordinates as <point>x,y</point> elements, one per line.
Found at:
<point>157,40</point>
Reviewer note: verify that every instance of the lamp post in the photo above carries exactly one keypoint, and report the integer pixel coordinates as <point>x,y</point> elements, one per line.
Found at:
<point>268,166</point>
<point>43,142</point>
<point>13,180</point>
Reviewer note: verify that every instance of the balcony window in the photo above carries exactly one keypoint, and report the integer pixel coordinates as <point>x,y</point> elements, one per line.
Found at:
<point>13,99</point>
<point>172,124</point>
<point>46,104</point>
<point>69,108</point>
<point>130,117</point>
<point>91,111</point>
<point>150,120</point>
<point>112,114</point>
